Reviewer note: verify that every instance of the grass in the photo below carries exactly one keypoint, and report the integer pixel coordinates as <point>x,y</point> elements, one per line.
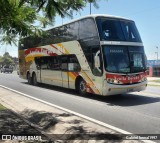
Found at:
<point>158,81</point>
<point>2,107</point>
<point>154,85</point>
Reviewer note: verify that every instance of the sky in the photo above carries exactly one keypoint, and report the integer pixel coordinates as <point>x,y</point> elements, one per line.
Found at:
<point>145,13</point>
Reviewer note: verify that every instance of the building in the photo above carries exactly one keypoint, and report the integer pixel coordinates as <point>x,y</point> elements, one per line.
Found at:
<point>153,68</point>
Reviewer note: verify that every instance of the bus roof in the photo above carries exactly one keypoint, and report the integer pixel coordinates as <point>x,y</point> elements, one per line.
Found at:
<point>106,15</point>
<point>91,16</point>
<point>87,16</point>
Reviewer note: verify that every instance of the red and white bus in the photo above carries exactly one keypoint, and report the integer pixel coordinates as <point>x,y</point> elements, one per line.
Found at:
<point>99,54</point>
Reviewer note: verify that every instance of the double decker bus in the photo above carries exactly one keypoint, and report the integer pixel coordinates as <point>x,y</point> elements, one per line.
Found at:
<point>98,54</point>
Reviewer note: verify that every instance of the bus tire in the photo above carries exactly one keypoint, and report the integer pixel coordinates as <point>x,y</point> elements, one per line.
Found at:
<point>82,88</point>
<point>34,79</point>
<point>29,79</point>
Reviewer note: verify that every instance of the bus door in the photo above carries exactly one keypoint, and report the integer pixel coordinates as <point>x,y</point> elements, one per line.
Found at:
<point>54,72</point>
<point>70,68</point>
<point>64,71</point>
<point>44,74</point>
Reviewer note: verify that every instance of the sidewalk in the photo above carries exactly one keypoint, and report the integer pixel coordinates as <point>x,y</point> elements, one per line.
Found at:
<point>151,81</point>
<point>28,117</point>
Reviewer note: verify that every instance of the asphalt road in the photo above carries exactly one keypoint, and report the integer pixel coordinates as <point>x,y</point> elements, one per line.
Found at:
<point>138,113</point>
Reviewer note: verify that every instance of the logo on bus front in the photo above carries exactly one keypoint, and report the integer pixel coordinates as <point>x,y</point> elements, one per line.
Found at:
<point>125,79</point>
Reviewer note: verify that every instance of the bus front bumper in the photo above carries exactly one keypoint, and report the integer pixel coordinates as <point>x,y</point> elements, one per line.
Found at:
<point>112,89</point>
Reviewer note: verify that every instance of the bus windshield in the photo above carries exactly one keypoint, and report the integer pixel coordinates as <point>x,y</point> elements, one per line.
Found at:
<point>123,59</point>
<point>117,30</point>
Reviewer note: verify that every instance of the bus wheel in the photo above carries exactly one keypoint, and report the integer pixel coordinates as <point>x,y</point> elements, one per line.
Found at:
<point>82,87</point>
<point>34,79</point>
<point>29,78</point>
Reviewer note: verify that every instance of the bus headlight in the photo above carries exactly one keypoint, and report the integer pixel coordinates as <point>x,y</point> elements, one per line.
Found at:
<point>113,81</point>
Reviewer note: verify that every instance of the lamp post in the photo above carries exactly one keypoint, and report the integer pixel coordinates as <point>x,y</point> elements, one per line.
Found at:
<point>157,53</point>
<point>90,8</point>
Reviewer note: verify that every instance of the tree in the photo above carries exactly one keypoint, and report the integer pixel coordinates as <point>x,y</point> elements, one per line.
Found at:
<point>17,20</point>
<point>50,8</point>
<point>6,60</point>
<point>17,17</point>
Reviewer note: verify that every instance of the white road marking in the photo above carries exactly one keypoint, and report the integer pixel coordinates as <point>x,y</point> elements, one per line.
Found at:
<point>75,113</point>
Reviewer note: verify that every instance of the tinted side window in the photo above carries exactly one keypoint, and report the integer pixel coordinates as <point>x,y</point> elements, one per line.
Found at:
<point>54,34</point>
<point>72,31</point>
<point>58,34</point>
<point>38,62</point>
<point>44,63</point>
<point>87,28</point>
<point>29,42</point>
<point>73,64</point>
<point>89,39</point>
<point>64,63</point>
<point>46,39</point>
<point>70,63</point>
<point>53,63</point>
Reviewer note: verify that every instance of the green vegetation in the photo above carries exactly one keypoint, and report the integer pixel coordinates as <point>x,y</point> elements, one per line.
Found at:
<point>154,85</point>
<point>2,107</point>
<point>18,17</point>
<point>7,60</point>
<point>158,81</point>
<point>151,83</point>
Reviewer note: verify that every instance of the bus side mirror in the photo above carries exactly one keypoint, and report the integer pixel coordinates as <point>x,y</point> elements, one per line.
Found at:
<point>97,63</point>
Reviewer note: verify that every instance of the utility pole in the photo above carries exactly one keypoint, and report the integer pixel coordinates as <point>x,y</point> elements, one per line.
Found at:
<point>90,8</point>
<point>157,53</point>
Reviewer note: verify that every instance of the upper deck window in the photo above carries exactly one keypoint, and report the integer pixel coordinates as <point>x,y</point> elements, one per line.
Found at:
<point>117,30</point>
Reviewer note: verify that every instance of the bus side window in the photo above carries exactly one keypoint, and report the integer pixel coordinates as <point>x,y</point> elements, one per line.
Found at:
<point>37,62</point>
<point>73,64</point>
<point>53,63</point>
<point>87,29</point>
<point>64,63</point>
<point>44,63</point>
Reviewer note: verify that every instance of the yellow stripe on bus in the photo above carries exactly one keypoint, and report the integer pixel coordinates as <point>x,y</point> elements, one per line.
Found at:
<point>63,48</point>
<point>71,75</point>
<point>31,57</point>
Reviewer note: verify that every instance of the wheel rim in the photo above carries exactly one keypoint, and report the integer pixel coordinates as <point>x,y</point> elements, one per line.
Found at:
<point>82,86</point>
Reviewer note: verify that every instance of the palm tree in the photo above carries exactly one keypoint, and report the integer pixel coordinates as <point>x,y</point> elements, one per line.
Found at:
<point>53,7</point>
<point>17,17</point>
